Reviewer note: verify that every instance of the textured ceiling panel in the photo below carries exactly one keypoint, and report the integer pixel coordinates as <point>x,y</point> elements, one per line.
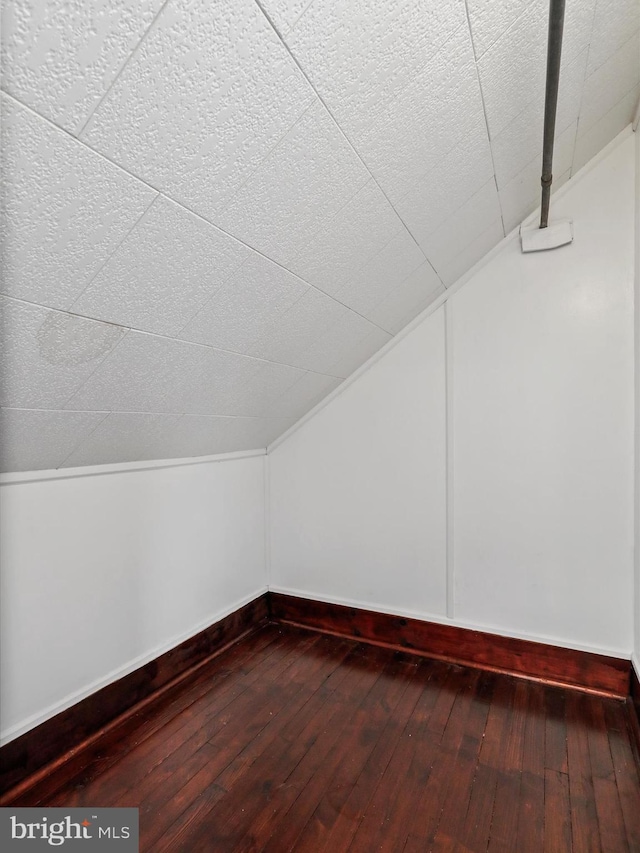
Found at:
<point>357,351</point>
<point>169,265</point>
<point>489,19</point>
<point>308,390</point>
<point>153,374</point>
<point>614,21</point>
<point>64,209</point>
<point>609,84</point>
<point>232,205</point>
<point>594,138</point>
<point>127,437</point>
<point>131,437</point>
<point>205,97</point>
<point>393,262</point>
<point>406,300</point>
<point>285,13</point>
<point>261,396</point>
<point>472,252</point>
<point>519,142</point>
<point>61,56</point>
<point>39,438</point>
<point>463,227</point>
<point>513,69</point>
<point>290,336</point>
<point>246,307</point>
<point>441,103</point>
<point>349,240</point>
<point>448,186</point>
<point>48,355</point>
<point>362,54</point>
<point>306,179</point>
<point>333,349</point>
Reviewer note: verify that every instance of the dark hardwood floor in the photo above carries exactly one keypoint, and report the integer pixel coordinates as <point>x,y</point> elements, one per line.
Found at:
<point>293,740</point>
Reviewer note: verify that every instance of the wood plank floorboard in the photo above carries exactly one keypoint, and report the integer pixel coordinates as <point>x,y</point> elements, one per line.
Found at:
<point>174,721</point>
<point>531,801</point>
<point>295,741</point>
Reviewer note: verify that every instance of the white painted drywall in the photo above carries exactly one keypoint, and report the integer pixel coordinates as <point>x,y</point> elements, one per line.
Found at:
<point>357,495</point>
<point>636,649</point>
<point>101,573</point>
<point>540,425</point>
<point>543,426</point>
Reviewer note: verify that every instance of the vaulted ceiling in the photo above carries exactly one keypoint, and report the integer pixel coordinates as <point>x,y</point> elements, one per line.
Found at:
<point>215,210</point>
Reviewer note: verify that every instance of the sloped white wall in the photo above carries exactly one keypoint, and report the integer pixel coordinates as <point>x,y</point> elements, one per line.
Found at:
<point>538,363</point>
<point>102,573</point>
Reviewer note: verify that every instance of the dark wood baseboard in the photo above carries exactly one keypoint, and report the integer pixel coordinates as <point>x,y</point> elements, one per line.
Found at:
<point>296,740</point>
<point>525,658</point>
<point>65,743</point>
<point>54,752</point>
<point>634,710</point>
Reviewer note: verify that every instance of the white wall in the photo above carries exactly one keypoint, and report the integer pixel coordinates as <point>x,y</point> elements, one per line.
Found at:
<point>540,430</point>
<point>102,573</point>
<point>636,655</point>
<point>357,495</point>
<point>543,426</point>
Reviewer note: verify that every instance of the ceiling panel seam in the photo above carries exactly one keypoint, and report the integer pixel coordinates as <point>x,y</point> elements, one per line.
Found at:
<point>188,343</point>
<point>191,318</point>
<point>588,76</point>
<point>112,253</point>
<point>85,439</point>
<point>560,126</point>
<point>128,329</point>
<point>79,141</point>
<point>484,112</point>
<point>576,169</point>
<point>146,412</point>
<point>271,260</point>
<point>193,212</point>
<point>102,360</point>
<point>499,34</point>
<point>343,134</point>
<point>383,245</point>
<point>441,49</point>
<point>333,297</point>
<point>82,440</point>
<point>205,305</point>
<point>455,210</point>
<point>123,66</point>
<point>251,173</point>
<point>584,80</point>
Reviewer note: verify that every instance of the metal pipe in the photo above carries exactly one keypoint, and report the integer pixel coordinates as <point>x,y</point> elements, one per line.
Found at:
<point>554,53</point>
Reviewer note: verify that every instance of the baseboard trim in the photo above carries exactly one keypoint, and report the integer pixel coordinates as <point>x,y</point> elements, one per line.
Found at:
<point>634,710</point>
<point>551,664</point>
<point>43,759</point>
<point>58,748</point>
